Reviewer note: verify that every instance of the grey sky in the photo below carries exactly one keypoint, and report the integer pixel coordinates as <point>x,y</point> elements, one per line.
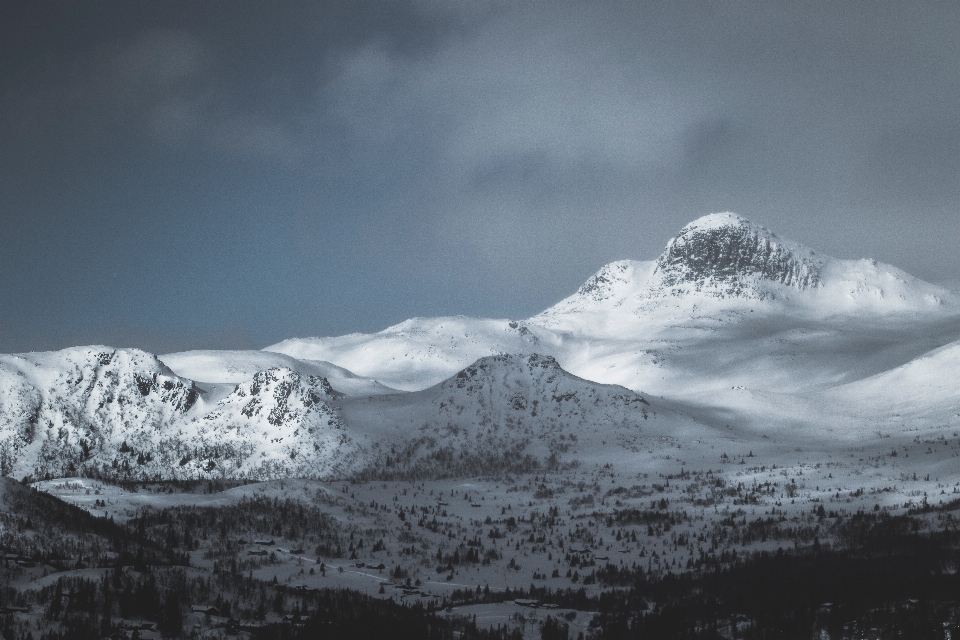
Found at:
<point>232,174</point>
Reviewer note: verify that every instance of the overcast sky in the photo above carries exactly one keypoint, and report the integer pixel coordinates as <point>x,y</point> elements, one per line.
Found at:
<point>231,174</point>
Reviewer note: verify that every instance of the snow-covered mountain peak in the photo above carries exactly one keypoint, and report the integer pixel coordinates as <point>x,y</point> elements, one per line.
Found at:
<point>484,369</point>
<point>613,280</point>
<point>280,394</point>
<point>514,380</point>
<point>725,254</point>
<point>502,413</point>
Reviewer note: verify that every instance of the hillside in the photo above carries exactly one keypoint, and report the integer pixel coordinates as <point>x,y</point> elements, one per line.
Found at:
<point>507,413</point>
<point>123,414</point>
<point>419,352</point>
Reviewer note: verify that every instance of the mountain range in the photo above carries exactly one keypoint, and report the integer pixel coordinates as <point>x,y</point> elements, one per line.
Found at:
<point>732,334</point>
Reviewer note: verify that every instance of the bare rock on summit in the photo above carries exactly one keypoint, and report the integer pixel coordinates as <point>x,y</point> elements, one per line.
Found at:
<point>729,254</point>
<point>278,424</point>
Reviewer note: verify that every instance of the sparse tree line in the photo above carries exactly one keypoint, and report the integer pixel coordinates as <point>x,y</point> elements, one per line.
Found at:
<point>877,570</point>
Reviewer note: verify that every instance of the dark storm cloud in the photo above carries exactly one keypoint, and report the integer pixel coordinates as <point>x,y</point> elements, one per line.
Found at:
<point>606,128</point>
<point>324,167</point>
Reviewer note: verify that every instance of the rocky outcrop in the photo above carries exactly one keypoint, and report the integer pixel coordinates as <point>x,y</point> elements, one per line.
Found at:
<point>122,414</point>
<point>278,424</point>
<point>729,255</point>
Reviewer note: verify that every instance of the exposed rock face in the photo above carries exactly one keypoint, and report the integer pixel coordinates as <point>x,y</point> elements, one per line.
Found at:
<point>278,424</point>
<point>61,410</point>
<point>728,254</point>
<point>612,279</point>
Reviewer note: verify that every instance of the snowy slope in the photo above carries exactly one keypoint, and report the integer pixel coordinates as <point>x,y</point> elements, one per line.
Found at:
<point>278,424</point>
<point>928,386</point>
<point>507,413</point>
<point>123,413</point>
<point>71,408</point>
<point>727,303</point>
<point>240,366</point>
<point>419,352</point>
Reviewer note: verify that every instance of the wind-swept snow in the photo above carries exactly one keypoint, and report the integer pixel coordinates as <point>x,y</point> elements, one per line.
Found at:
<point>419,352</point>
<point>239,366</point>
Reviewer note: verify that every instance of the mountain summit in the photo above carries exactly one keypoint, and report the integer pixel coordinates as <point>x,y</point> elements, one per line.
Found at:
<point>723,262</point>
<point>729,254</point>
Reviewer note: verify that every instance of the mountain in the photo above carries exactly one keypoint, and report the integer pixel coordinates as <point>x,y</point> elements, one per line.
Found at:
<point>278,424</point>
<point>63,410</point>
<point>722,265</point>
<point>727,303</point>
<point>122,413</point>
<point>730,304</point>
<point>730,325</point>
<point>505,413</point>
<point>723,253</point>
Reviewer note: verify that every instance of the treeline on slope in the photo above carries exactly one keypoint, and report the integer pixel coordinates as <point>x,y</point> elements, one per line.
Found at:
<point>48,531</point>
<point>82,608</point>
<point>259,516</point>
<point>425,459</point>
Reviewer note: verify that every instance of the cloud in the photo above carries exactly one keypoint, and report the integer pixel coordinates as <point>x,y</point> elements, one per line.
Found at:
<point>523,134</point>
<point>487,154</point>
<point>506,90</point>
<point>162,60</point>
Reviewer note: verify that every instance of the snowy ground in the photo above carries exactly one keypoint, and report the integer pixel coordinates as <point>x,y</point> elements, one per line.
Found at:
<point>611,514</point>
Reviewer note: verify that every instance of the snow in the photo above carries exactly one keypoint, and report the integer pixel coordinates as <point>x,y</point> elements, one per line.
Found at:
<point>755,343</point>
<point>416,353</point>
<point>239,366</point>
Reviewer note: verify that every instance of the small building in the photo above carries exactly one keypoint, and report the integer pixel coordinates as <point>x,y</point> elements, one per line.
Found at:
<point>10,609</point>
<point>525,602</point>
<point>264,543</point>
<point>293,620</point>
<point>138,625</point>
<point>205,609</point>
